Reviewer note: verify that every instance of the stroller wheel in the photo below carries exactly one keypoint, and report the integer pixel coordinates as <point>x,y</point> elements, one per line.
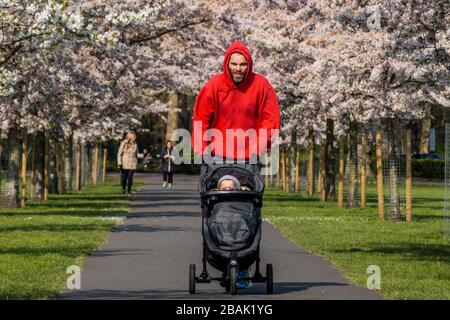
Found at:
<point>192,278</point>
<point>233,279</point>
<point>269,278</point>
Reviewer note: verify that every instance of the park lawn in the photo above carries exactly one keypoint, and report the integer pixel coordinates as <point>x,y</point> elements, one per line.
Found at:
<point>39,243</point>
<point>414,257</point>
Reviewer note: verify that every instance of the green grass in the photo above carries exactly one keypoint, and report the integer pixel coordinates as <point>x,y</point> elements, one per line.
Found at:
<point>39,243</point>
<point>414,257</point>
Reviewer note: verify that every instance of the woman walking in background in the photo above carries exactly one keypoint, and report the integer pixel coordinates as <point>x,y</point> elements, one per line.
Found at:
<point>168,167</point>
<point>127,161</point>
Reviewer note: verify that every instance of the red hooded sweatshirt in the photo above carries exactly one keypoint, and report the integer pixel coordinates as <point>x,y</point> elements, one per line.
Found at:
<point>222,105</point>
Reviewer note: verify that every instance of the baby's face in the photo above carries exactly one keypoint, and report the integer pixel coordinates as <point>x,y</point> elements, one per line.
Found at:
<point>227,185</point>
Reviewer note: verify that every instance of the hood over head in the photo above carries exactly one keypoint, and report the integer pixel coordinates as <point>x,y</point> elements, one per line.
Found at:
<point>241,48</point>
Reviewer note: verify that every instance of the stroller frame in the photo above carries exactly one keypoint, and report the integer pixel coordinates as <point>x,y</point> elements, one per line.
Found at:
<point>228,280</point>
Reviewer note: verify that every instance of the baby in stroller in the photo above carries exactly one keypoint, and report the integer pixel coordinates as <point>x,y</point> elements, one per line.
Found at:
<point>229,182</point>
<point>231,200</point>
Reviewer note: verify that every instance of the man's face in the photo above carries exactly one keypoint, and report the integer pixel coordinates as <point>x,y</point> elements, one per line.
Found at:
<point>238,67</point>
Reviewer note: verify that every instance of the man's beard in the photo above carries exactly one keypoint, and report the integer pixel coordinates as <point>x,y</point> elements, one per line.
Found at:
<point>238,77</point>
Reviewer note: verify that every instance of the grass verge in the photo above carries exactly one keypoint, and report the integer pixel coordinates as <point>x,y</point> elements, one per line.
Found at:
<point>414,257</point>
<point>39,243</point>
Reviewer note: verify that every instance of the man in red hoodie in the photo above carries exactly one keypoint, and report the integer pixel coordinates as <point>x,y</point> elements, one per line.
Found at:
<point>240,105</point>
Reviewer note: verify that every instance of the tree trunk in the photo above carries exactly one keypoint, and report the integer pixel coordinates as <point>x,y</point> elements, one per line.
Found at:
<point>283,168</point>
<point>280,171</point>
<point>104,164</point>
<point>68,154</point>
<point>329,192</point>
<point>352,195</point>
<point>78,167</point>
<point>311,163</point>
<point>394,199</point>
<point>46,165</point>
<point>393,174</point>
<point>266,177</point>
<point>322,169</point>
<point>425,130</point>
<point>88,165</point>
<point>380,191</point>
<point>38,166</point>
<point>60,151</point>
<point>1,164</point>
<point>24,169</point>
<point>271,176</point>
<point>84,165</point>
<point>12,178</point>
<point>408,175</point>
<point>94,172</point>
<point>341,172</point>
<point>297,168</point>
<point>33,165</point>
<point>52,168</point>
<point>292,166</point>
<point>286,169</point>
<point>363,169</point>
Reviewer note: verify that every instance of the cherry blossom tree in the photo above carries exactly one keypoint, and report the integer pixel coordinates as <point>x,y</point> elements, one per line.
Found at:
<point>83,71</point>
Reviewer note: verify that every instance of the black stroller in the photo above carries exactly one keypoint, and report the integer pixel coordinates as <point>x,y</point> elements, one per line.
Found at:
<point>231,226</point>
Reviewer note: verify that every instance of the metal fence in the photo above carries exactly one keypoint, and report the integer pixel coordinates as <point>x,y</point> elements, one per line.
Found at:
<point>10,166</point>
<point>447,182</point>
<point>394,182</point>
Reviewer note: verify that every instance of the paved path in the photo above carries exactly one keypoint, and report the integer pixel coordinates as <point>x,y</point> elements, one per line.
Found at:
<point>147,256</point>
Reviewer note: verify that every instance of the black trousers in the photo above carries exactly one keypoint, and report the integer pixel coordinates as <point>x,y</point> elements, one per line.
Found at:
<point>168,176</point>
<point>127,179</point>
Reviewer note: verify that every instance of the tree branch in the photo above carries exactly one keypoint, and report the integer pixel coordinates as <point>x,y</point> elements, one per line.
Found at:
<point>158,35</point>
<point>10,55</point>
